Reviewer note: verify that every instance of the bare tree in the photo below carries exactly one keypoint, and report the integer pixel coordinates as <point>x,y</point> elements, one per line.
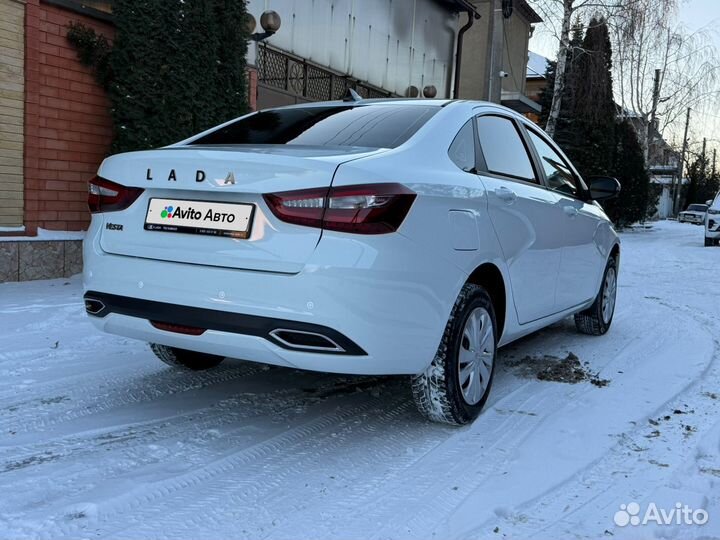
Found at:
<point>646,38</point>
<point>564,11</point>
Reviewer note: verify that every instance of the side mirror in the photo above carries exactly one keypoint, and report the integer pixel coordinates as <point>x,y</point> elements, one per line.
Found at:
<point>709,202</point>
<point>603,187</point>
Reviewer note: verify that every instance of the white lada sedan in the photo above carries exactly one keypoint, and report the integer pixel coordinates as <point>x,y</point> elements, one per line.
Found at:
<point>363,237</point>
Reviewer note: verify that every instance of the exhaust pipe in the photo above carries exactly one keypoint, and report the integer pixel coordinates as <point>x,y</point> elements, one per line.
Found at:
<point>93,307</point>
<point>305,341</point>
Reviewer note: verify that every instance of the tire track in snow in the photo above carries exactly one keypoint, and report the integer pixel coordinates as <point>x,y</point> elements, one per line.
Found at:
<point>404,483</point>
<point>33,415</point>
<point>471,457</point>
<point>597,485</point>
<point>275,404</point>
<point>147,502</point>
<point>434,489</point>
<point>51,360</point>
<point>255,486</point>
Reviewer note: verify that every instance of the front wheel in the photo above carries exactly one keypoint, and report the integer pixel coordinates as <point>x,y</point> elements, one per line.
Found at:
<point>454,388</point>
<point>596,320</point>
<point>709,242</point>
<point>181,358</point>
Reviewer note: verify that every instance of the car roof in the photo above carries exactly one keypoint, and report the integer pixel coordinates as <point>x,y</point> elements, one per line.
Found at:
<point>417,102</point>
<point>378,101</point>
<point>424,102</point>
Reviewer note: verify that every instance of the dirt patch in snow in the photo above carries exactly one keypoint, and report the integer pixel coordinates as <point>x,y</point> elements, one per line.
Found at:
<point>552,368</point>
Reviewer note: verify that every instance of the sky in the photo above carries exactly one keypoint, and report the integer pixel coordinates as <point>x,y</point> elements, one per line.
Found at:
<point>694,15</point>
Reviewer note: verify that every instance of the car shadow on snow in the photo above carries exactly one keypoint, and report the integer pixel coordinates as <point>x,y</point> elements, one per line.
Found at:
<point>287,395</point>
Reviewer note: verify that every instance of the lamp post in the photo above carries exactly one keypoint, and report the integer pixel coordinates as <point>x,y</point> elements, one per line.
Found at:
<point>270,22</point>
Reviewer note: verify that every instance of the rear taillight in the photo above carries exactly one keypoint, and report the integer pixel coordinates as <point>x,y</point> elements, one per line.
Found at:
<point>107,196</point>
<point>365,209</point>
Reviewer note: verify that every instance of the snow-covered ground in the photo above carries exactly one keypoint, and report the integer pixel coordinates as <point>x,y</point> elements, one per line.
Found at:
<point>98,439</point>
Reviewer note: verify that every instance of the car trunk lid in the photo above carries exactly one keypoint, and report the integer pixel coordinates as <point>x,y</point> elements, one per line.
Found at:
<point>219,176</point>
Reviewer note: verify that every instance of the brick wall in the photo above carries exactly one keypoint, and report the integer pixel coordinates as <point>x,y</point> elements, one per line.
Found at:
<point>12,15</point>
<point>68,128</point>
<point>252,88</point>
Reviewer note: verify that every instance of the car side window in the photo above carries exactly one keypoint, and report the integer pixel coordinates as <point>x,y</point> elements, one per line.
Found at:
<point>504,149</point>
<point>559,175</point>
<point>462,149</point>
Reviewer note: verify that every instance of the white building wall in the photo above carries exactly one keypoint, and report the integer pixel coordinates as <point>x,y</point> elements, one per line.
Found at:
<point>664,204</point>
<point>391,44</point>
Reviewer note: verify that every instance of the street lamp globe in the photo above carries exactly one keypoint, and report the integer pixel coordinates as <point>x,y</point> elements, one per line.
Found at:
<point>270,21</point>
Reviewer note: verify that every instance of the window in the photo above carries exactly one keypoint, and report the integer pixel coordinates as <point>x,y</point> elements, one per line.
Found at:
<point>504,150</point>
<point>372,126</point>
<point>462,149</point>
<point>559,175</point>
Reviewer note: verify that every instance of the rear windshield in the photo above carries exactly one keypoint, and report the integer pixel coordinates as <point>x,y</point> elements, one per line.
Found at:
<point>697,208</point>
<point>372,126</point>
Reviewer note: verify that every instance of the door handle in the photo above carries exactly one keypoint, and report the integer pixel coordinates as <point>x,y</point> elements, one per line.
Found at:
<point>505,194</point>
<point>570,211</point>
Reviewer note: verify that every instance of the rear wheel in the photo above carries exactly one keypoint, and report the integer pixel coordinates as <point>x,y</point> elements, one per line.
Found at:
<point>454,388</point>
<point>181,358</point>
<point>596,320</point>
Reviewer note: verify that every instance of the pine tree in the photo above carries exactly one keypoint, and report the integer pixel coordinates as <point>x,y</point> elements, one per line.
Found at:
<point>178,68</point>
<point>546,95</point>
<point>587,130</point>
<point>629,168</point>
<point>703,185</point>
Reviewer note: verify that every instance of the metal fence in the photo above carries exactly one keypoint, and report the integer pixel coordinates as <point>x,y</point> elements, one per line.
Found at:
<point>300,77</point>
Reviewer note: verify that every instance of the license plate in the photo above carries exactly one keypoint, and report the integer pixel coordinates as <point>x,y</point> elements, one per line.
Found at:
<point>199,217</point>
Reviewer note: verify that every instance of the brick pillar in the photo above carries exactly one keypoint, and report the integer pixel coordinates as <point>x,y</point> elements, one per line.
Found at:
<point>252,88</point>
<point>68,128</point>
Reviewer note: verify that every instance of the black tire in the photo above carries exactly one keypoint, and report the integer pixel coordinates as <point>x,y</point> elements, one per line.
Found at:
<point>709,242</point>
<point>438,391</point>
<point>591,321</point>
<point>181,358</point>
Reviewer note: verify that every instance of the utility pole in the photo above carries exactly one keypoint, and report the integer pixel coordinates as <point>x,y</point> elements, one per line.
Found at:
<point>653,114</point>
<point>495,53</point>
<point>678,187</point>
<point>714,159</point>
<point>703,173</point>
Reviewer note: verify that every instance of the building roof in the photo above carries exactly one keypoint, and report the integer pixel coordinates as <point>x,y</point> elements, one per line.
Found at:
<point>529,13</point>
<point>520,6</point>
<point>460,5</point>
<point>519,102</point>
<point>536,66</point>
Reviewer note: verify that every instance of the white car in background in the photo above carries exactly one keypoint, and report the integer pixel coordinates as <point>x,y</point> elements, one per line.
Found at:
<point>363,237</point>
<point>695,213</point>
<point>712,222</point>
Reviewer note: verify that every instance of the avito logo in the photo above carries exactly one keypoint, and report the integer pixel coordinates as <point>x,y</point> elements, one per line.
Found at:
<point>171,212</point>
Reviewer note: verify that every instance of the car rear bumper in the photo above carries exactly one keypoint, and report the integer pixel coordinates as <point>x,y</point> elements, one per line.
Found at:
<point>179,319</point>
<point>385,318</point>
<point>690,219</point>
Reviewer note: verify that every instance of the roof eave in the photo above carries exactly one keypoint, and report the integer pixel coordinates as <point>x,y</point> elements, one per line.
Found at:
<point>528,13</point>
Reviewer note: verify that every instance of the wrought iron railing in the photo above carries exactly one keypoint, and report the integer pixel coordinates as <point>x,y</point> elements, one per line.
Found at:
<point>300,77</point>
